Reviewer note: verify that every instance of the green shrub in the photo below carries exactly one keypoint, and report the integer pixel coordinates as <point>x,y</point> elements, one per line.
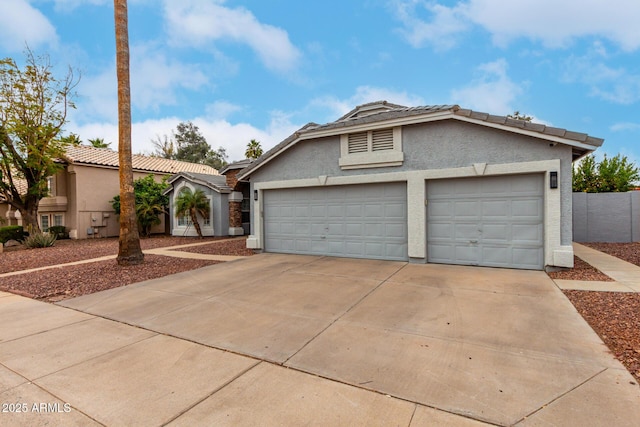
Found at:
<point>11,232</point>
<point>60,231</point>
<point>40,240</point>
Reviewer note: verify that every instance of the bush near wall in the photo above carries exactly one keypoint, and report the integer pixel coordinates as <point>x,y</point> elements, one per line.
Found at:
<point>60,231</point>
<point>11,232</point>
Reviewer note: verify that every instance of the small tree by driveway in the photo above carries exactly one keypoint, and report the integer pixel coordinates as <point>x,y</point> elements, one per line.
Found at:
<point>192,203</point>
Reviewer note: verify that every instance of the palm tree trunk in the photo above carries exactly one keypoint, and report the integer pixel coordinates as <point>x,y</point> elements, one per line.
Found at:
<point>129,251</point>
<point>196,224</point>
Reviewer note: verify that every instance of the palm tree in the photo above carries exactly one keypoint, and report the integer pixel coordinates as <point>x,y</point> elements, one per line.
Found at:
<point>192,203</point>
<point>254,150</point>
<point>129,251</point>
<point>99,143</point>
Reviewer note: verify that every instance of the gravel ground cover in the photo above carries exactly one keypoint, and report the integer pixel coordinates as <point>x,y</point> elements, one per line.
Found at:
<point>19,258</point>
<point>615,316</point>
<point>55,284</point>
<point>236,247</point>
<point>580,271</point>
<point>629,252</point>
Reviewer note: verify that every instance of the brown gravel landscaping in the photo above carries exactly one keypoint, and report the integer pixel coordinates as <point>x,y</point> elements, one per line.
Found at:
<point>629,252</point>
<point>580,271</point>
<point>235,247</point>
<point>615,316</point>
<point>19,258</point>
<point>55,284</point>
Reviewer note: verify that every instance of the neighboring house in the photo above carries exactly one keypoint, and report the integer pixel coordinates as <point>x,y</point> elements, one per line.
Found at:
<point>80,194</point>
<point>436,184</point>
<point>217,192</point>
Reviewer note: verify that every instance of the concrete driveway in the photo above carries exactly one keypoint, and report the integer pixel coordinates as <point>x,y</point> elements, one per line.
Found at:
<point>286,340</point>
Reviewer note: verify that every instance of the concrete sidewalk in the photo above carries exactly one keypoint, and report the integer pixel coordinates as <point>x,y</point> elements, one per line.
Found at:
<point>626,276</point>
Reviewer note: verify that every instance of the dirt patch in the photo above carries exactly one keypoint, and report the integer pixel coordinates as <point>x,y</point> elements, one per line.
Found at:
<point>629,252</point>
<point>55,284</point>
<point>580,271</point>
<point>615,316</point>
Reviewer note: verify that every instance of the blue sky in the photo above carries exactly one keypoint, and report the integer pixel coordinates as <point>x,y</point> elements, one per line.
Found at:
<point>262,69</point>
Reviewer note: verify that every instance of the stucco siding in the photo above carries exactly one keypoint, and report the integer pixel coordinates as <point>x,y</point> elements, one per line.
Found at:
<point>431,146</point>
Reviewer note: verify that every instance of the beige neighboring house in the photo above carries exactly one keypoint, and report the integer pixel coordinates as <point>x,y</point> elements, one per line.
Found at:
<point>80,194</point>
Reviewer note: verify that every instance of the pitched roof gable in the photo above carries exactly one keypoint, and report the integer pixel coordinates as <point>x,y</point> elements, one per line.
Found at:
<point>215,182</point>
<point>380,114</point>
<point>86,155</point>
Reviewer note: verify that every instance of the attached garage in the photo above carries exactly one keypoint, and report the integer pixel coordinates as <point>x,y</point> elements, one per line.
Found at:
<point>358,221</point>
<point>489,221</point>
<point>427,184</point>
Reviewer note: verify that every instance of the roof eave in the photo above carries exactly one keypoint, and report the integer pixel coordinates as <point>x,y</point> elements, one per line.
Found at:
<point>533,134</point>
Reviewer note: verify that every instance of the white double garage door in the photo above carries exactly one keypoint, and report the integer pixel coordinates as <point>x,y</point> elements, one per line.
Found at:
<point>488,221</point>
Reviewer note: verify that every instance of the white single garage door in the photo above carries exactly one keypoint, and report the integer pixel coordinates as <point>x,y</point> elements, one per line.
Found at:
<point>357,221</point>
<point>488,221</point>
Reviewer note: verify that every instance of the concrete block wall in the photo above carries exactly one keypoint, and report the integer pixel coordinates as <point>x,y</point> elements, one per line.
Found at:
<point>606,217</point>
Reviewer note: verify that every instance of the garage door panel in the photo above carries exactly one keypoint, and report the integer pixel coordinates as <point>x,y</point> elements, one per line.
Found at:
<point>466,231</point>
<point>395,231</point>
<point>466,254</point>
<point>528,234</point>
<point>526,208</point>
<point>496,209</point>
<point>365,221</point>
<point>496,232</point>
<point>438,230</point>
<point>491,221</point>
<point>464,208</point>
<point>527,256</point>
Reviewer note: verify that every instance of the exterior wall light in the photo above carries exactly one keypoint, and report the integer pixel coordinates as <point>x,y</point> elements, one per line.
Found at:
<point>553,179</point>
<point>255,195</point>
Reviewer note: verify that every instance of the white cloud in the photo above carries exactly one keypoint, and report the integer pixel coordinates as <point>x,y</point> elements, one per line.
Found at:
<point>625,127</point>
<point>555,24</point>
<point>613,84</point>
<point>204,21</point>
<point>221,109</point>
<point>155,81</point>
<point>442,31</point>
<point>22,23</point>
<point>364,94</point>
<point>493,91</point>
<point>218,133</point>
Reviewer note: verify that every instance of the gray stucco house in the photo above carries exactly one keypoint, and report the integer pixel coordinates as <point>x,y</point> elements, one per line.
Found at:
<point>217,192</point>
<point>436,184</point>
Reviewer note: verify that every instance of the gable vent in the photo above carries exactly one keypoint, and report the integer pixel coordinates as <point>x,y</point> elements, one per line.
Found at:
<point>382,140</point>
<point>358,143</point>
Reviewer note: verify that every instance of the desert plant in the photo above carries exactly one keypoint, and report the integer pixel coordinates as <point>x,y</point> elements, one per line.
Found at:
<point>11,232</point>
<point>40,240</point>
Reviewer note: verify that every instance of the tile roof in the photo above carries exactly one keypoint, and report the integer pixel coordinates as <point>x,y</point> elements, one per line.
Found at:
<point>82,154</point>
<point>382,111</point>
<point>215,182</point>
<point>240,164</point>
